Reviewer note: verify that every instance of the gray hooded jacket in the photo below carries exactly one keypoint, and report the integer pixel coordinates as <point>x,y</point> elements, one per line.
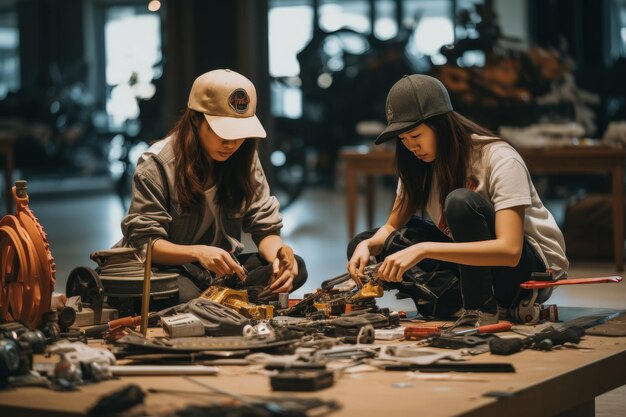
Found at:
<point>155,211</point>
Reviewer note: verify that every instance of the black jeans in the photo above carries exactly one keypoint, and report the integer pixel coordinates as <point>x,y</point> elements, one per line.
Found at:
<point>260,272</point>
<point>471,218</point>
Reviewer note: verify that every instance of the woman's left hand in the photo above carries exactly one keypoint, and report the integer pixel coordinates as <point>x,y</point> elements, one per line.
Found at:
<point>285,269</point>
<point>394,266</point>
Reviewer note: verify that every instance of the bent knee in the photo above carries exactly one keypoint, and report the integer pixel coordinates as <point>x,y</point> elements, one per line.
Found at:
<point>457,201</point>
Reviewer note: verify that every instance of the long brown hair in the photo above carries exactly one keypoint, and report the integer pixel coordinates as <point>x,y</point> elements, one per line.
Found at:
<point>453,133</point>
<point>193,168</point>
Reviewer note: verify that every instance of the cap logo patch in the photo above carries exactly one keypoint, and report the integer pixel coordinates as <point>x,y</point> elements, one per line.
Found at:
<point>389,113</point>
<point>239,100</point>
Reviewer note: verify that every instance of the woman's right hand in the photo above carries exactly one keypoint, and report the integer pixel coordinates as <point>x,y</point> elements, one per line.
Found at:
<point>359,259</point>
<point>219,261</point>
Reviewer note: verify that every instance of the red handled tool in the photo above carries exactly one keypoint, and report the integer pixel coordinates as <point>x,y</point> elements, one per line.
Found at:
<point>420,332</point>
<point>113,327</point>
<point>503,326</point>
<point>531,285</point>
<point>530,311</point>
<point>424,332</point>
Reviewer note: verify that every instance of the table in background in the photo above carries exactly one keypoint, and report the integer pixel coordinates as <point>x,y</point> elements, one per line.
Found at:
<point>556,160</point>
<point>363,161</point>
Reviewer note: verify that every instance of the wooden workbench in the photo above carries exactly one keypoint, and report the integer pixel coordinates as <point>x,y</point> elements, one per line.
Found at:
<point>564,382</point>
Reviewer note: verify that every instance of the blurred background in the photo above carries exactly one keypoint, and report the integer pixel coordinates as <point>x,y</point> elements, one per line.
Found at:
<point>86,85</point>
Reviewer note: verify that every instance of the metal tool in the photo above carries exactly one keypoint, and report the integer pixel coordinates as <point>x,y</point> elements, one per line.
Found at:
<point>529,311</point>
<point>145,299</point>
<point>425,332</point>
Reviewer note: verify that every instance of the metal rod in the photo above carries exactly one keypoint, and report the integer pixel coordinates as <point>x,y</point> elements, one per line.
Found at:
<point>145,299</point>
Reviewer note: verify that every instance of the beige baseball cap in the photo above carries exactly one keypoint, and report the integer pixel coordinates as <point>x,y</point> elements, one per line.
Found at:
<point>228,101</point>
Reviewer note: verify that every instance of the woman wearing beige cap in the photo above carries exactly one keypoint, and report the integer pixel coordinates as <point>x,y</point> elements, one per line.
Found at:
<point>467,226</point>
<point>197,189</point>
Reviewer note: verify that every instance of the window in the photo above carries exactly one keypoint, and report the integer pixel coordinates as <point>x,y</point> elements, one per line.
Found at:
<point>291,28</point>
<point>9,54</point>
<point>133,57</point>
<point>618,29</point>
<point>433,27</point>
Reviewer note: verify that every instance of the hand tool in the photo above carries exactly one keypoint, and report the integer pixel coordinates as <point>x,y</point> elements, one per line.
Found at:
<point>540,341</point>
<point>531,285</point>
<point>112,326</point>
<point>529,310</point>
<point>452,367</point>
<point>425,332</point>
<point>558,334</point>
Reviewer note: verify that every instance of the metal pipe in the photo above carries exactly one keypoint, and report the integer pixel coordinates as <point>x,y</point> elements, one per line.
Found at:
<point>145,298</point>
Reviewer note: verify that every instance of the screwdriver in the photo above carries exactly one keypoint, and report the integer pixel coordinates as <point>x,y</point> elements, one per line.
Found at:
<point>503,326</point>
<point>98,330</point>
<point>424,332</point>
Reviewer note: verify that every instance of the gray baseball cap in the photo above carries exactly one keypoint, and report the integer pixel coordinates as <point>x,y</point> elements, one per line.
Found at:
<point>412,100</point>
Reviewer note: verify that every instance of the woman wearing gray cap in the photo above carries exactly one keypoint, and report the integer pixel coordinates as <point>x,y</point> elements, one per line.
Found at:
<point>196,190</point>
<point>465,206</point>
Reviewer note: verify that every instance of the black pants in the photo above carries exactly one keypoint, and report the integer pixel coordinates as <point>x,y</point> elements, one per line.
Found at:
<point>471,218</point>
<point>191,285</point>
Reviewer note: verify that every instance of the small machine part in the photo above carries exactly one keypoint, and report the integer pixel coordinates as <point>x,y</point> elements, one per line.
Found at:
<point>90,363</point>
<point>283,366</point>
<point>261,330</point>
<point>302,380</point>
<point>216,319</point>
<point>50,326</point>
<point>10,360</point>
<point>34,340</point>
<point>66,317</point>
<point>351,329</point>
<point>17,346</point>
<point>85,315</point>
<point>238,300</point>
<point>182,325</point>
<point>549,312</point>
<point>283,300</point>
<point>85,283</point>
<point>285,321</point>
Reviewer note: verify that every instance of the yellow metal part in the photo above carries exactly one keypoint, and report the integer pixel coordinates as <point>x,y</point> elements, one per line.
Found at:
<point>368,291</point>
<point>238,300</point>
<point>323,307</point>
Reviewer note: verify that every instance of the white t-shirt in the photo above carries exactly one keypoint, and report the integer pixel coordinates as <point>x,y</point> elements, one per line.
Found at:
<point>500,175</point>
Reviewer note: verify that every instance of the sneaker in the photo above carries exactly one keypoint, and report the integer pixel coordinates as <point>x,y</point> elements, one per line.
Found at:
<point>475,318</point>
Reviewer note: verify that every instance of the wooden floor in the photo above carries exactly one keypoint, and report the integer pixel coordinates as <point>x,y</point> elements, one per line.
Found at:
<point>314,226</point>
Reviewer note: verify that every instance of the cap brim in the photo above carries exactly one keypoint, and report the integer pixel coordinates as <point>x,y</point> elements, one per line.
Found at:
<point>393,130</point>
<point>236,127</point>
